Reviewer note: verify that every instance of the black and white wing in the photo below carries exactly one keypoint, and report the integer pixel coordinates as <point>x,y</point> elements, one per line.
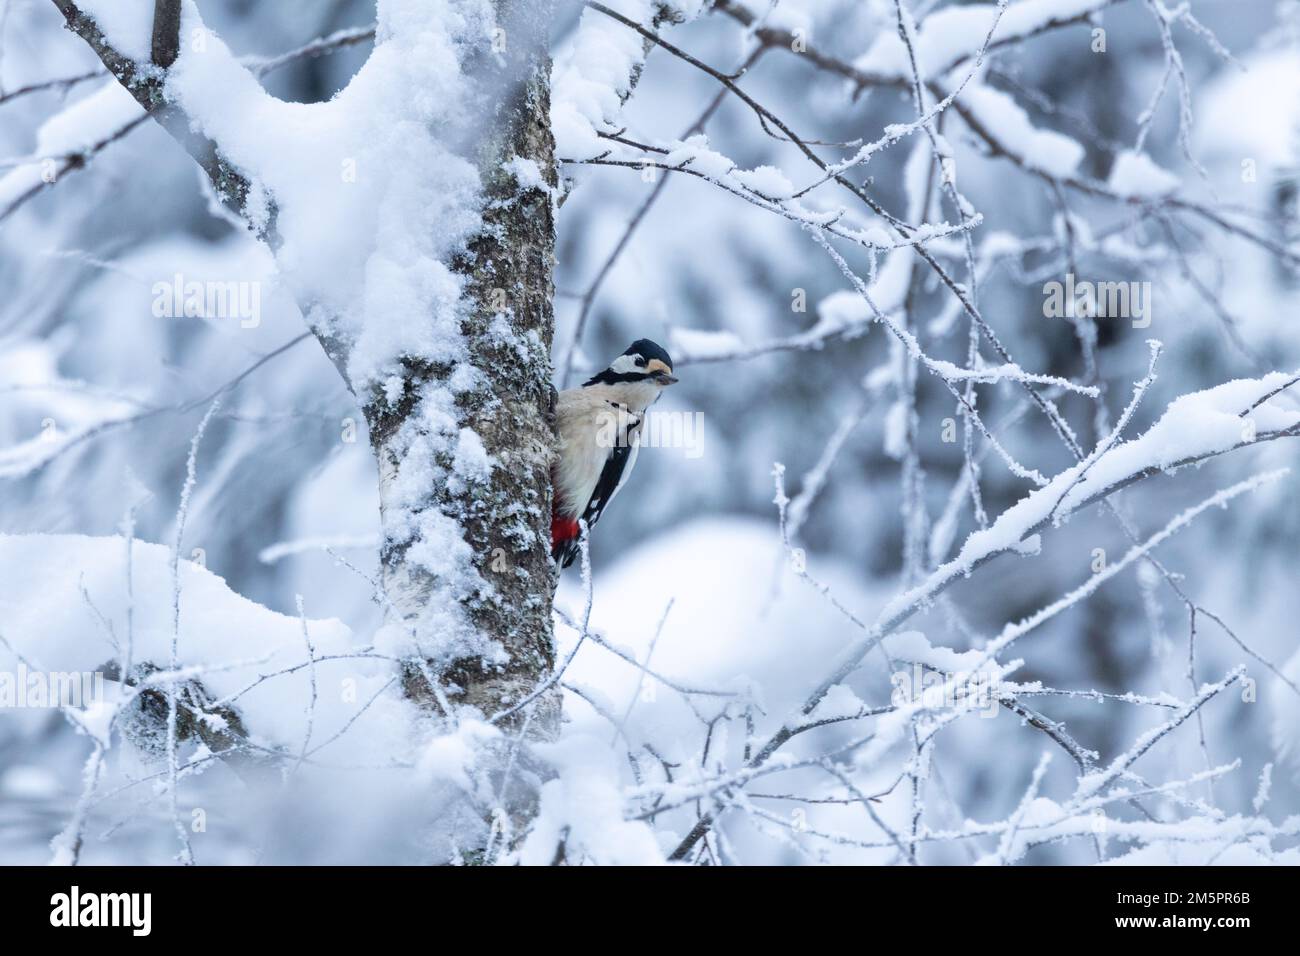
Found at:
<point>618,468</point>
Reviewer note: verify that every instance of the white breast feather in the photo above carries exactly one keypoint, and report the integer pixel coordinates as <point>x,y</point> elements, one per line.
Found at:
<point>583,416</point>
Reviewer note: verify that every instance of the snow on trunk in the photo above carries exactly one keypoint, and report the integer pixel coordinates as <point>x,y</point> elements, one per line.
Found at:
<point>464,447</point>
<point>412,218</point>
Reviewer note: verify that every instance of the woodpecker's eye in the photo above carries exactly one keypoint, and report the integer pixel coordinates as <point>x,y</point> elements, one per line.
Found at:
<point>640,362</point>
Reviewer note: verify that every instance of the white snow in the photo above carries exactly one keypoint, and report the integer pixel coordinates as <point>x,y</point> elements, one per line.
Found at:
<point>955,32</point>
<point>1263,136</point>
<point>128,26</point>
<point>370,200</point>
<point>453,757</point>
<point>767,181</point>
<point>72,130</point>
<point>1194,425</point>
<point>229,640</point>
<point>1054,153</point>
<point>584,807</point>
<point>768,649</point>
<point>472,462</point>
<point>592,76</point>
<point>1136,175</point>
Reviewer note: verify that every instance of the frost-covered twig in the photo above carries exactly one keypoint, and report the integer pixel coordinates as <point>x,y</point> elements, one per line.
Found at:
<point>1031,793</point>
<point>1031,515</point>
<point>815,479</point>
<point>874,241</point>
<point>338,40</point>
<point>936,368</point>
<point>67,163</point>
<point>67,845</point>
<point>311,701</point>
<point>998,146</point>
<point>588,297</point>
<point>640,677</point>
<point>1139,391</point>
<point>60,84</point>
<point>21,467</point>
<point>182,512</point>
<point>1095,783</point>
<point>671,683</point>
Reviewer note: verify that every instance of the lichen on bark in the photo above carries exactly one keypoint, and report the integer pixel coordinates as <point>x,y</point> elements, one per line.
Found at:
<point>507,326</point>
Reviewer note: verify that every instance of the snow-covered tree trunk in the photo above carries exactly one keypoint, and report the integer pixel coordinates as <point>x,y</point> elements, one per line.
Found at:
<point>482,595</point>
<point>441,324</point>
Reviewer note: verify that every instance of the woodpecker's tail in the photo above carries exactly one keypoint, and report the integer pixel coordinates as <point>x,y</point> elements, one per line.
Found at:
<point>564,540</point>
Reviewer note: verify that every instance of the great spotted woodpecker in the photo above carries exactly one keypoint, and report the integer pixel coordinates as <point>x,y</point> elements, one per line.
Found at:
<point>599,428</point>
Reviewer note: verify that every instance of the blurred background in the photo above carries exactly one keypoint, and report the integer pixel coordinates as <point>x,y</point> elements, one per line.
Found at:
<point>287,470</point>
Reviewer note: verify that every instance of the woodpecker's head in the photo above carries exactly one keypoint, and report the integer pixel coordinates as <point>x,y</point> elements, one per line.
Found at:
<point>645,368</point>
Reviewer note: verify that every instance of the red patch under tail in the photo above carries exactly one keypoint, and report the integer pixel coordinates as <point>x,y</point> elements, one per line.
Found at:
<point>563,530</point>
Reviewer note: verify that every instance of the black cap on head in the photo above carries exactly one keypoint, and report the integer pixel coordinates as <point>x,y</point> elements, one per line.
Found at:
<point>649,350</point>
<point>641,352</point>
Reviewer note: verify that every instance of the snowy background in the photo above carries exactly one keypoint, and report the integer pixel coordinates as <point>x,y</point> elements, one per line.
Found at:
<point>100,399</point>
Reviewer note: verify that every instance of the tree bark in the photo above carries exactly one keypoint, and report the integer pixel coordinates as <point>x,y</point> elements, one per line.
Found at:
<point>508,328</point>
<point>465,561</point>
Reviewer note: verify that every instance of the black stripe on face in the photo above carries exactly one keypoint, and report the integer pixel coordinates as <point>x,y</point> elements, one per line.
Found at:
<point>609,377</point>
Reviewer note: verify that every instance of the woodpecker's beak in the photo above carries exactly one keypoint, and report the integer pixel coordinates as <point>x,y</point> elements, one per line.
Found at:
<point>660,372</point>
